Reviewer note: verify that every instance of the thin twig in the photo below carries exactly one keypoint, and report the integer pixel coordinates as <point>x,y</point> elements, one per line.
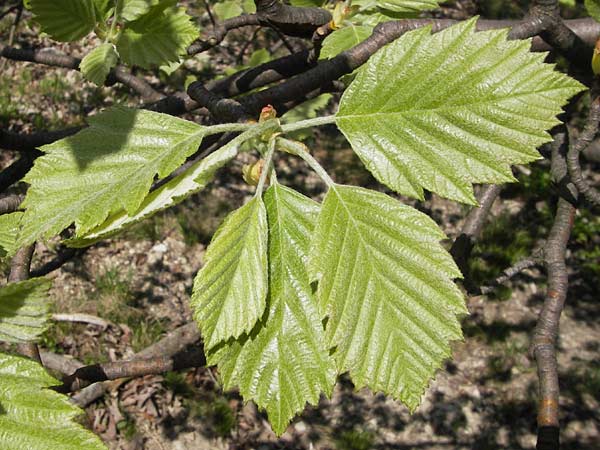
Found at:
<point>590,130</point>
<point>81,318</point>
<point>85,376</point>
<point>543,344</point>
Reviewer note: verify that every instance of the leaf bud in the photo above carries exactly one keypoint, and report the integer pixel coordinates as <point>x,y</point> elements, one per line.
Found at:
<point>268,112</point>
<point>251,172</point>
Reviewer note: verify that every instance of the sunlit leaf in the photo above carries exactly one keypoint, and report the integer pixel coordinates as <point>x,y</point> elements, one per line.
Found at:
<point>443,111</point>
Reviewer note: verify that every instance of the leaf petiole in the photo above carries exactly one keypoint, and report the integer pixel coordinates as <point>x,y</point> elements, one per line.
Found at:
<point>267,166</point>
<point>308,123</point>
<point>298,148</point>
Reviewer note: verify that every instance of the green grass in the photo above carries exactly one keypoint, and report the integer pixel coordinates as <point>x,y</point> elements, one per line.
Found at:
<point>215,413</point>
<point>355,440</point>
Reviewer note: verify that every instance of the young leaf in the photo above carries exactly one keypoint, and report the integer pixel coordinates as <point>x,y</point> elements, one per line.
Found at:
<point>446,110</point>
<point>97,64</point>
<point>65,20</point>
<point>386,284</point>
<point>343,39</point>
<point>283,362</point>
<point>227,9</point>
<point>24,309</point>
<point>407,6</point>
<point>133,9</point>
<point>9,228</point>
<point>34,417</point>
<point>193,179</point>
<point>593,9</point>
<point>157,38</point>
<point>108,166</point>
<point>230,290</point>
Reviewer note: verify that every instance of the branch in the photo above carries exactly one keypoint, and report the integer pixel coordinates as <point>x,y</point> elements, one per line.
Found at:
<point>220,31</point>
<point>464,243</point>
<point>383,34</point>
<point>81,318</point>
<point>10,203</point>
<point>64,255</point>
<point>29,142</point>
<point>51,58</point>
<point>221,109</point>
<point>170,345</point>
<point>19,271</point>
<point>543,345</point>
<point>558,34</point>
<point>534,260</point>
<point>588,134</point>
<point>85,376</point>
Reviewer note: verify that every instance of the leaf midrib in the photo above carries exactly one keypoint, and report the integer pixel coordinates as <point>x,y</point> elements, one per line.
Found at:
<point>450,108</point>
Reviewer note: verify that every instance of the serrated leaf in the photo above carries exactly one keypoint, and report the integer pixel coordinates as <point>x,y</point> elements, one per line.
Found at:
<point>104,168</point>
<point>65,20</point>
<point>386,285</point>
<point>344,39</point>
<point>157,38</point>
<point>97,64</point>
<point>283,363</point>
<point>24,310</point>
<point>230,290</point>
<point>446,110</point>
<point>9,228</point>
<point>593,9</point>
<point>34,417</point>
<point>192,180</point>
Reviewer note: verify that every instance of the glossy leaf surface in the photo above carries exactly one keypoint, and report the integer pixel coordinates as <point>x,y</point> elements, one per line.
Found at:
<point>24,310</point>
<point>443,111</point>
<point>385,284</point>
<point>283,363</point>
<point>34,417</point>
<point>230,290</point>
<point>104,168</point>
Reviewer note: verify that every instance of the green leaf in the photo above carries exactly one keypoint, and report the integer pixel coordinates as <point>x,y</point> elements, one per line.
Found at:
<point>24,310</point>
<point>407,6</point>
<point>65,20</point>
<point>97,64</point>
<point>103,9</point>
<point>593,9</point>
<point>104,168</point>
<point>34,417</point>
<point>228,9</point>
<point>190,181</point>
<point>230,290</point>
<point>386,285</point>
<point>9,228</point>
<point>344,39</point>
<point>134,9</point>
<point>157,38</point>
<point>446,110</point>
<point>283,362</point>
